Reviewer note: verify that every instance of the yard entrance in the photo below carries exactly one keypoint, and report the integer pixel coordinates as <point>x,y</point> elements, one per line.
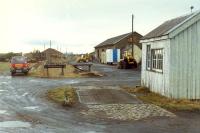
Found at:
<point>108,102</point>
<point>105,96</point>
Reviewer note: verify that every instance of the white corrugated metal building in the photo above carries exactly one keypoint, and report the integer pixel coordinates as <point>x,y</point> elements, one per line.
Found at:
<point>171,58</point>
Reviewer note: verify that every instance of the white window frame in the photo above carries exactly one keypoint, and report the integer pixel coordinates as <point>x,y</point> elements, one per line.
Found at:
<point>157,60</point>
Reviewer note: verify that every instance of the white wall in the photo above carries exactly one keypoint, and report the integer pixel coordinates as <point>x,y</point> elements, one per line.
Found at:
<point>157,82</point>
<point>103,57</point>
<point>137,54</point>
<point>185,63</point>
<point>136,51</point>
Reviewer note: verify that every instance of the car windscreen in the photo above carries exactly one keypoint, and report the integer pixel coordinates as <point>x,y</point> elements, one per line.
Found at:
<point>16,60</point>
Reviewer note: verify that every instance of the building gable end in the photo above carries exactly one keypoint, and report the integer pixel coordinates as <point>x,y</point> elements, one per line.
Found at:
<point>184,25</point>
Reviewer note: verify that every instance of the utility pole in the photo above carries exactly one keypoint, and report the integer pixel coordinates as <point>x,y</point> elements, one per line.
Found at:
<point>132,32</point>
<point>50,43</point>
<point>44,46</point>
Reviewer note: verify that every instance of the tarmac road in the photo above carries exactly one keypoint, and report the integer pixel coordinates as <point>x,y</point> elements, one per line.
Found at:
<point>25,109</point>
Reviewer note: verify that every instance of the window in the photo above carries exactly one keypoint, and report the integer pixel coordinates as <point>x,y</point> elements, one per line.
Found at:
<point>157,59</point>
<point>148,59</point>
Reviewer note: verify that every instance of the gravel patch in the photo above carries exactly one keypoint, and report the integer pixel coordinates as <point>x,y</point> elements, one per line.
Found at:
<point>127,111</point>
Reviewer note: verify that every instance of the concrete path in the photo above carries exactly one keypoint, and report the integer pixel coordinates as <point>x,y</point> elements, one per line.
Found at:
<point>105,96</point>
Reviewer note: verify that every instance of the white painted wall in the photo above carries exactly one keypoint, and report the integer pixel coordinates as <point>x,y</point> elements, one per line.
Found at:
<point>157,82</point>
<point>137,54</point>
<point>185,63</point>
<point>136,51</point>
<point>103,57</point>
<point>181,68</point>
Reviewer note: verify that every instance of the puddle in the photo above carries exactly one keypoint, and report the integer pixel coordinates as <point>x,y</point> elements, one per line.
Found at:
<point>33,80</point>
<point>70,81</point>
<point>3,83</point>
<point>3,112</point>
<point>108,70</point>
<point>34,108</point>
<point>25,94</point>
<point>14,124</point>
<point>5,77</point>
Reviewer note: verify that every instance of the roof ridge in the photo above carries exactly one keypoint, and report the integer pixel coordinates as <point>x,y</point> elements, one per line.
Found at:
<point>190,16</point>
<point>116,39</point>
<point>169,25</point>
<point>180,17</point>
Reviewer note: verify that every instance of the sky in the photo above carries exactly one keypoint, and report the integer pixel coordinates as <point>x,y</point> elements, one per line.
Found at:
<point>79,25</point>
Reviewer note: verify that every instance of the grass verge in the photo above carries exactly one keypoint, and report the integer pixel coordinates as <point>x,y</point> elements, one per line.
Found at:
<point>171,104</point>
<point>69,72</point>
<point>63,95</point>
<point>4,66</point>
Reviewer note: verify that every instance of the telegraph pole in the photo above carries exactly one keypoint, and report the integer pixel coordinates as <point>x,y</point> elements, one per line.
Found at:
<point>50,43</point>
<point>132,32</point>
<point>44,46</point>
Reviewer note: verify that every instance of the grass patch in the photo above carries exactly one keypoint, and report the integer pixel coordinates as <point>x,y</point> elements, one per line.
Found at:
<point>63,95</point>
<point>69,72</point>
<point>171,104</point>
<point>4,66</point>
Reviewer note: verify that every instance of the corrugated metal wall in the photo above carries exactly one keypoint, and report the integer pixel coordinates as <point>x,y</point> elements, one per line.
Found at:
<point>185,63</point>
<point>157,82</point>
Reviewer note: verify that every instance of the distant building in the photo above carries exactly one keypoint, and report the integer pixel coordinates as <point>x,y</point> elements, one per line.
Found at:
<point>122,42</point>
<point>170,58</point>
<point>50,53</point>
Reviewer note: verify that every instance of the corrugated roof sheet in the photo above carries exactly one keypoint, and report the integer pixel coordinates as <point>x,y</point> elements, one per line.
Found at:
<point>113,40</point>
<point>166,26</point>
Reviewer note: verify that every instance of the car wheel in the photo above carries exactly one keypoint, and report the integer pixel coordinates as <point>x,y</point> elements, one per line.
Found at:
<point>12,73</point>
<point>124,65</point>
<point>26,73</point>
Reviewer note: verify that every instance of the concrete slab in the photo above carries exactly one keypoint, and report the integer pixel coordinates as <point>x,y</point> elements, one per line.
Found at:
<point>105,96</point>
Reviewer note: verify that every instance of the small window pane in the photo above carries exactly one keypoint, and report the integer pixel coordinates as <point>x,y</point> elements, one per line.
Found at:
<point>157,59</point>
<point>148,57</point>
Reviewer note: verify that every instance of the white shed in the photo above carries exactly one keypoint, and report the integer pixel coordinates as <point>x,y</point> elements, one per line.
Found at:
<point>171,58</point>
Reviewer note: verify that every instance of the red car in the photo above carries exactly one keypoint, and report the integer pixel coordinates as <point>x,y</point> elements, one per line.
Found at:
<point>19,64</point>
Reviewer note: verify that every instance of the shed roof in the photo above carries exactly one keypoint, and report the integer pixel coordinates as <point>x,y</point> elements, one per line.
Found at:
<point>114,40</point>
<point>166,26</point>
<point>51,50</point>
